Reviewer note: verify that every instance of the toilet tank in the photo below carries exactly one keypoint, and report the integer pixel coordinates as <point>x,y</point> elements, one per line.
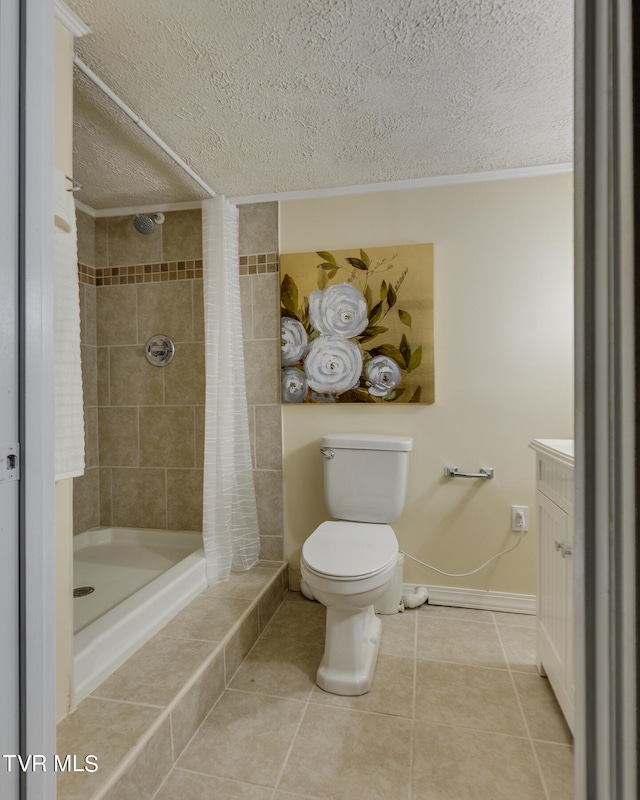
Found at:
<point>365,475</point>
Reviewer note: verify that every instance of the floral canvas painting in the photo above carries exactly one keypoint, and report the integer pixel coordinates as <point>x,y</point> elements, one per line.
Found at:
<point>357,325</point>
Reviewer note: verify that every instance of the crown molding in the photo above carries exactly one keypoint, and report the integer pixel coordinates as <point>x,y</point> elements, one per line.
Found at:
<point>412,183</point>
<point>124,211</point>
<point>70,20</point>
<point>341,191</point>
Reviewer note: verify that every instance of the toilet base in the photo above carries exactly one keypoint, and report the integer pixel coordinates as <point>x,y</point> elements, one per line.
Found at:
<point>352,641</point>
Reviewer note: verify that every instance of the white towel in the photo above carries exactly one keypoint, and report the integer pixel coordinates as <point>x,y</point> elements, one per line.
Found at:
<point>67,381</point>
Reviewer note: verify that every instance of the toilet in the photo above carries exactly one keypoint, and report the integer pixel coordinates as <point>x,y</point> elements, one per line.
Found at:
<point>349,563</point>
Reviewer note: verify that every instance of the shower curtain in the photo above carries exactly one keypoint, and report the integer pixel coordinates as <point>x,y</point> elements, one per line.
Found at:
<point>230,517</point>
<point>68,406</point>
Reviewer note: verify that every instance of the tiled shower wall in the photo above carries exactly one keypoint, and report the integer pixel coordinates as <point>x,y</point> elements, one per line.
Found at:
<point>144,424</point>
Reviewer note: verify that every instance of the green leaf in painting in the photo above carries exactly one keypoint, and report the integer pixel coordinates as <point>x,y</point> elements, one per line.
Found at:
<point>323,280</point>
<point>371,332</point>
<point>368,297</point>
<point>415,397</point>
<point>284,312</point>
<point>383,290</point>
<point>357,263</point>
<point>365,258</point>
<point>405,349</point>
<point>358,395</point>
<point>332,273</point>
<point>391,352</point>
<point>289,294</point>
<point>391,296</point>
<point>327,266</point>
<point>394,395</point>
<point>376,330</point>
<point>405,317</point>
<point>327,256</point>
<point>415,360</point>
<point>375,313</point>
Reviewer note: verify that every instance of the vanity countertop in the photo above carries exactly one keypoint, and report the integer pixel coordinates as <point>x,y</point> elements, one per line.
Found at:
<point>560,449</point>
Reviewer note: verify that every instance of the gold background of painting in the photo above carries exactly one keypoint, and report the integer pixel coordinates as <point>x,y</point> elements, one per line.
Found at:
<point>414,296</point>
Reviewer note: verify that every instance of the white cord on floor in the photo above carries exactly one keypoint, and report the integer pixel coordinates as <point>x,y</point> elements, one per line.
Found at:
<point>473,571</point>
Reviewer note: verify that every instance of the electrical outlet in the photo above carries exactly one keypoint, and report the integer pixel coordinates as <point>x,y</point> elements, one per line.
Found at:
<point>519,518</point>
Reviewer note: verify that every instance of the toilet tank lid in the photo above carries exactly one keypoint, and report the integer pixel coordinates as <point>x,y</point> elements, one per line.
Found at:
<point>367,441</point>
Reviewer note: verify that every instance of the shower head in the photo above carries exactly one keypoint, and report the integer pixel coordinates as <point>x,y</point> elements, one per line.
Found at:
<point>146,224</point>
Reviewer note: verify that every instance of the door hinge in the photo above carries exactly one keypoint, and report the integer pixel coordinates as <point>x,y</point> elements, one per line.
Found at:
<point>9,462</point>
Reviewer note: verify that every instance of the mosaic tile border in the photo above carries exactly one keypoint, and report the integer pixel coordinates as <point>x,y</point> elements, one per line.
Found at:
<point>169,271</point>
<point>259,263</point>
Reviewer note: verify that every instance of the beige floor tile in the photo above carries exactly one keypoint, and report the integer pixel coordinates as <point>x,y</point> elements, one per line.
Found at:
<point>341,754</point>
<point>391,692</point>
<point>207,618</point>
<point>452,763</point>
<point>398,634</point>
<point>290,796</point>
<point>450,612</point>
<point>520,646</point>
<point>244,584</point>
<point>152,764</point>
<point>295,596</point>
<point>302,622</point>
<point>519,620</point>
<point>472,697</point>
<point>102,728</point>
<point>194,705</point>
<point>183,785</point>
<point>556,763</point>
<point>541,709</point>
<point>240,643</point>
<point>246,737</point>
<point>144,678</point>
<point>460,641</point>
<point>279,668</point>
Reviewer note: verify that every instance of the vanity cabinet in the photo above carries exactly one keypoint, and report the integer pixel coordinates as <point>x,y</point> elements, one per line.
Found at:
<point>554,502</point>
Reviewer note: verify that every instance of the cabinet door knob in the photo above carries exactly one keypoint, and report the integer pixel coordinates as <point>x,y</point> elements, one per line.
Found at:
<point>565,549</point>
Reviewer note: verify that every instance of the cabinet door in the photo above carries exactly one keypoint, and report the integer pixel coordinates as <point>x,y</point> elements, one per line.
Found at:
<point>555,601</point>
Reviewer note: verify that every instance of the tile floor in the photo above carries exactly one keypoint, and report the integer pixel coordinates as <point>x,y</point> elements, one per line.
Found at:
<point>457,712</point>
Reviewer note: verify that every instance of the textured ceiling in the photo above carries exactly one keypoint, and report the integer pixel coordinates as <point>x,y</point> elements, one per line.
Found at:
<point>268,96</point>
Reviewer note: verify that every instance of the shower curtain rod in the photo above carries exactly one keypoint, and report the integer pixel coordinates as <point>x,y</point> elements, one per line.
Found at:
<point>142,125</point>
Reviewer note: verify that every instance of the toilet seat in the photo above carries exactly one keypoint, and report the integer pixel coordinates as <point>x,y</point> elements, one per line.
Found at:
<point>347,551</point>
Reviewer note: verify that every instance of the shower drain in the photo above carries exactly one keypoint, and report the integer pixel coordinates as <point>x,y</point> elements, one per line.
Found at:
<point>83,591</point>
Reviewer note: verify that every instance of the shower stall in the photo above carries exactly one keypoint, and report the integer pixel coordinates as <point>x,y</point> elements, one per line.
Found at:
<point>138,506</point>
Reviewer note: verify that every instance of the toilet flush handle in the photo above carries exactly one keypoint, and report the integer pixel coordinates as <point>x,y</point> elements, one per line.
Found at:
<point>326,452</point>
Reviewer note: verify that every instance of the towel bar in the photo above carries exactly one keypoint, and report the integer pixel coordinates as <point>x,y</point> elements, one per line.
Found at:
<point>485,472</point>
<point>75,185</point>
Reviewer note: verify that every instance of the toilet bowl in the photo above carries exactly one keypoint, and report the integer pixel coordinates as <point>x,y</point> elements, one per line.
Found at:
<point>348,566</point>
<point>350,562</point>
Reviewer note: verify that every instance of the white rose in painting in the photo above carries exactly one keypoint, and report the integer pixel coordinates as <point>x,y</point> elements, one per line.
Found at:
<point>294,385</point>
<point>294,340</point>
<point>338,310</point>
<point>333,365</point>
<point>383,373</point>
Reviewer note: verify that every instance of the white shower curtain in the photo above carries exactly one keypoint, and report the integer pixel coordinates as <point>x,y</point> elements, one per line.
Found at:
<point>230,517</point>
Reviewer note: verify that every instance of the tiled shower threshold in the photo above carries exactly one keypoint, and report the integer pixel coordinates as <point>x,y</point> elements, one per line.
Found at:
<point>138,722</point>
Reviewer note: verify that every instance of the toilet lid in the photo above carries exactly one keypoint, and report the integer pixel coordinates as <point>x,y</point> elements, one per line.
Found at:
<point>350,549</point>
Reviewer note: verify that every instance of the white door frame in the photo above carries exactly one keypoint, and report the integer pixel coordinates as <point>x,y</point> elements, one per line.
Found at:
<point>9,390</point>
<point>606,757</point>
<point>27,52</point>
<point>606,525</point>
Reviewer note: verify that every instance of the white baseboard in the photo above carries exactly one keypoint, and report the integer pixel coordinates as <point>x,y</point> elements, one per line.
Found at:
<point>477,598</point>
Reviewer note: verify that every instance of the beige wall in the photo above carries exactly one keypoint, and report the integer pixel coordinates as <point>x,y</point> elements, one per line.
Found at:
<point>63,155</point>
<point>503,361</point>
